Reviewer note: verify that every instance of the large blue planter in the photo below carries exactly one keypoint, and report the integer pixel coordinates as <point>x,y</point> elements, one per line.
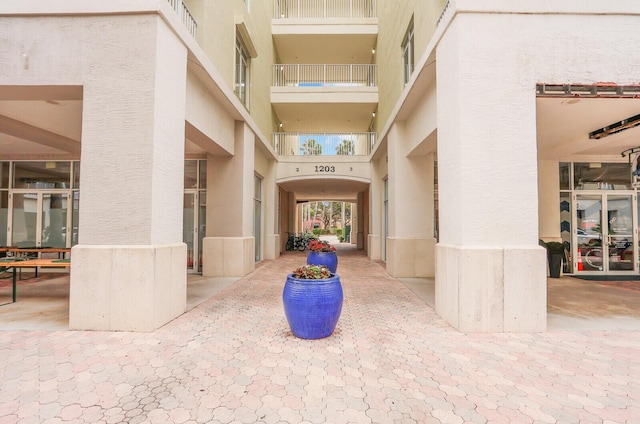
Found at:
<point>312,307</point>
<point>328,259</point>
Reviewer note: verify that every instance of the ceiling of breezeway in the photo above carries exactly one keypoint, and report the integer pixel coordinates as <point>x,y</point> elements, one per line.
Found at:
<point>338,189</point>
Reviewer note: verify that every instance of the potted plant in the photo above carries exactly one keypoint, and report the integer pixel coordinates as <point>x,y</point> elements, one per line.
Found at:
<point>322,253</point>
<point>555,256</point>
<point>312,298</point>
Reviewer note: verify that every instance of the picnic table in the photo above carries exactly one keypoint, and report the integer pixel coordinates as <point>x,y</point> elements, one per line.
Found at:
<point>19,263</point>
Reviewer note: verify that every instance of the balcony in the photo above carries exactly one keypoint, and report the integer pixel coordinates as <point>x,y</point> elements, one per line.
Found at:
<point>288,9</point>
<point>324,76</point>
<point>184,14</point>
<point>323,144</point>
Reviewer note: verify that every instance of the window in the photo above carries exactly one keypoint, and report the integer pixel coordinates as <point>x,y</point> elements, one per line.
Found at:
<point>407,53</point>
<point>242,71</point>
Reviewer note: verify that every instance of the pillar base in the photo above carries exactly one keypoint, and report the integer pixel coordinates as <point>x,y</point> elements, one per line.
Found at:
<point>228,256</point>
<point>127,288</point>
<point>411,258</point>
<point>482,289</point>
<point>272,246</point>
<point>375,249</point>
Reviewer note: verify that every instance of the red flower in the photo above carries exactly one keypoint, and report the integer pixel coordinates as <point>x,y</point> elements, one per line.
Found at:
<point>321,246</point>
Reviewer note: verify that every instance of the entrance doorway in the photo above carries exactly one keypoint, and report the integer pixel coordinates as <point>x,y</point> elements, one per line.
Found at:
<point>40,219</point>
<point>605,238</point>
<point>193,227</point>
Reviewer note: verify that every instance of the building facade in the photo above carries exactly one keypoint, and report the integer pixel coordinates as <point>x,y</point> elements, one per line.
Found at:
<point>161,137</point>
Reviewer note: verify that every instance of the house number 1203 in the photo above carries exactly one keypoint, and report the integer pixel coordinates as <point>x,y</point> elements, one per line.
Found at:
<point>325,168</point>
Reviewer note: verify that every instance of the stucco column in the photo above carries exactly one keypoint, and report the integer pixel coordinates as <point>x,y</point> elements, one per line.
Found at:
<point>128,272</point>
<point>229,245</point>
<point>410,242</point>
<point>270,196</point>
<point>490,271</point>
<point>375,206</point>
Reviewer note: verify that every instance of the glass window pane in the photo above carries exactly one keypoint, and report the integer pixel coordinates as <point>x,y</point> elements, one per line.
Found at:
<point>601,176</point>
<point>564,176</point>
<point>24,222</point>
<point>565,228</point>
<point>75,217</point>
<point>202,225</point>
<point>54,220</point>
<point>42,174</point>
<point>4,214</point>
<point>76,175</point>
<point>203,174</point>
<point>4,174</point>
<point>190,173</point>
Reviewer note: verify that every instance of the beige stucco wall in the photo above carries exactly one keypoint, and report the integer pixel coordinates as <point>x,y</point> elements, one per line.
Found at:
<point>217,36</point>
<point>393,22</point>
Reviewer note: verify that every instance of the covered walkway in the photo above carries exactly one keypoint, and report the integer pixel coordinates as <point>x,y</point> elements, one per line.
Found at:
<point>232,358</point>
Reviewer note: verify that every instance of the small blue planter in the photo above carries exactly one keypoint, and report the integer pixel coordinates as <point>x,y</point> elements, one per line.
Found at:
<point>312,307</point>
<point>328,259</point>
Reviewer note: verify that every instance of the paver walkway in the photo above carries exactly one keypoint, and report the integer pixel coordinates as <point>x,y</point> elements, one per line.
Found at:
<point>391,359</point>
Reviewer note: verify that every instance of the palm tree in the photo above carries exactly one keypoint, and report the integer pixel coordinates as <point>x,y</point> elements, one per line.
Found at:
<point>345,148</point>
<point>311,147</point>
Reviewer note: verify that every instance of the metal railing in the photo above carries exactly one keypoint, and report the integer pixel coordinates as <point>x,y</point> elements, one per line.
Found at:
<point>184,14</point>
<point>287,9</point>
<point>323,144</point>
<point>324,75</point>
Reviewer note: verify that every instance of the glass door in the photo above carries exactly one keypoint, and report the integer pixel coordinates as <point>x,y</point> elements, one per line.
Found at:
<point>39,219</point>
<point>190,229</point>
<point>604,236</point>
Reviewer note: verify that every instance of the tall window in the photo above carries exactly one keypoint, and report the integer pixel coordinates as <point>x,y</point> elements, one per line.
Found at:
<point>242,71</point>
<point>257,216</point>
<point>407,53</point>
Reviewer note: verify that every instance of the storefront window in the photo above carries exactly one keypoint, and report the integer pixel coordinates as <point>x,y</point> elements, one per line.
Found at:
<point>4,174</point>
<point>190,174</point>
<point>565,177</point>
<point>42,175</point>
<point>601,176</point>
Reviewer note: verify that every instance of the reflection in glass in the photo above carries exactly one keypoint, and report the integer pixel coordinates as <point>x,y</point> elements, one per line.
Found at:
<point>75,217</point>
<point>187,226</point>
<point>564,176</point>
<point>589,229</point>
<point>4,174</point>
<point>54,220</point>
<point>620,227</point>
<point>4,216</point>
<point>203,174</point>
<point>24,222</point>
<point>601,176</point>
<point>190,173</point>
<point>42,175</point>
<point>202,226</point>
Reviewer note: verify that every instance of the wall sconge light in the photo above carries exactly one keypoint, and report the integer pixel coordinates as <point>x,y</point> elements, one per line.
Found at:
<point>616,127</point>
<point>373,51</point>
<point>280,124</point>
<point>373,114</point>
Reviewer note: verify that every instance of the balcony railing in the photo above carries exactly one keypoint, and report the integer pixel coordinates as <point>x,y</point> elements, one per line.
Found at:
<point>287,9</point>
<point>324,75</point>
<point>184,14</point>
<point>323,144</point>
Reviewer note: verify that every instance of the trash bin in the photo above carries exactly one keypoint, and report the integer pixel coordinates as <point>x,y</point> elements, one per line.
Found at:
<point>347,233</point>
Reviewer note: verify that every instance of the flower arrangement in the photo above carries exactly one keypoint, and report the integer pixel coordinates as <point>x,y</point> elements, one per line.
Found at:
<point>321,246</point>
<point>312,272</point>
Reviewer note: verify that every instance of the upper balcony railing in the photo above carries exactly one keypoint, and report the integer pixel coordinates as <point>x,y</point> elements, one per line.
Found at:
<point>323,144</point>
<point>324,76</point>
<point>184,14</point>
<point>287,9</point>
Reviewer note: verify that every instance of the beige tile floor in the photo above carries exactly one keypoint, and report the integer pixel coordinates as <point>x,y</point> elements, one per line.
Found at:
<point>232,359</point>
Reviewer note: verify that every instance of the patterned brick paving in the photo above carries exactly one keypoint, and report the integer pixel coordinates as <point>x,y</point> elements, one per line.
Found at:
<point>391,359</point>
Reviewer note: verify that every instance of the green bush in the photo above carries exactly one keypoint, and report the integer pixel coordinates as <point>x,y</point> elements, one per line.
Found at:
<point>340,239</point>
<point>317,231</point>
<point>338,232</point>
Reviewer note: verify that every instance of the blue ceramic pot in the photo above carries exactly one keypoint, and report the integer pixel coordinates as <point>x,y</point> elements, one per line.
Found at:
<point>328,259</point>
<point>312,307</point>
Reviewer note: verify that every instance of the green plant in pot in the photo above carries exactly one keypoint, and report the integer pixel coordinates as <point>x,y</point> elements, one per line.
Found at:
<point>555,255</point>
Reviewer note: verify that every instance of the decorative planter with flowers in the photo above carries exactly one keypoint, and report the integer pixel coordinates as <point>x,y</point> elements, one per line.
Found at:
<point>322,253</point>
<point>312,300</point>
